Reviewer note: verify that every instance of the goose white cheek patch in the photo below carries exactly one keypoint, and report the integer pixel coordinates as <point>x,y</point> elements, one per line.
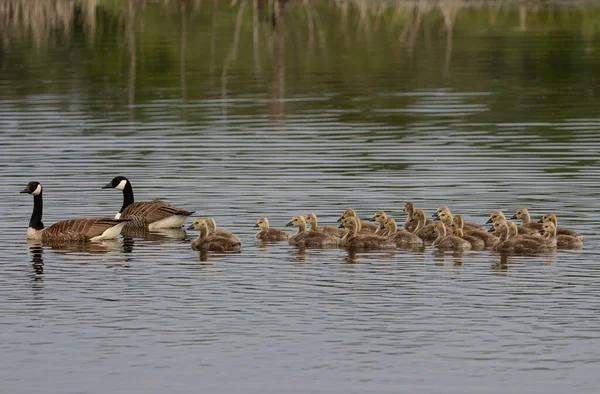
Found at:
<point>121,185</point>
<point>37,190</point>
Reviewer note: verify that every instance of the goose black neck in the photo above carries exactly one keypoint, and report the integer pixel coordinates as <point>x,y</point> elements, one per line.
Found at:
<point>36,216</point>
<point>127,196</point>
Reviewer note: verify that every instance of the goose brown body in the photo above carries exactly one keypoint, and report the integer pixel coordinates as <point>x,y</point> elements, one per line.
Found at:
<point>267,233</point>
<point>312,220</point>
<point>153,215</point>
<point>355,241</point>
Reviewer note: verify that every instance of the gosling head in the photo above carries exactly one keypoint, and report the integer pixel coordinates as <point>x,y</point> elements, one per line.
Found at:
<point>118,182</point>
<point>297,221</point>
<point>409,208</point>
<point>390,224</point>
<point>419,216</point>
<point>548,229</point>
<point>495,216</point>
<point>347,213</point>
<point>349,223</point>
<point>379,217</point>
<point>262,223</point>
<point>197,223</point>
<point>521,212</point>
<point>311,219</point>
<point>549,217</point>
<point>33,188</point>
<point>441,209</point>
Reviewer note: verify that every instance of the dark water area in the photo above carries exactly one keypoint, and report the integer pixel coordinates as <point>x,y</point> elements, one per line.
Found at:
<point>479,106</point>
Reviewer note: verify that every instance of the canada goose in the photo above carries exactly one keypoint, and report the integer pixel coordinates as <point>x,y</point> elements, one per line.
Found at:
<point>71,230</point>
<point>561,241</point>
<point>518,245</point>
<point>448,242</point>
<point>488,239</point>
<point>476,243</point>
<point>425,231</point>
<point>210,242</point>
<point>379,217</point>
<point>400,237</point>
<point>523,214</point>
<point>551,217</point>
<point>309,239</point>
<point>267,233</point>
<point>443,213</point>
<point>152,214</point>
<point>311,219</point>
<point>409,224</point>
<point>513,232</point>
<point>355,241</point>
<point>365,227</point>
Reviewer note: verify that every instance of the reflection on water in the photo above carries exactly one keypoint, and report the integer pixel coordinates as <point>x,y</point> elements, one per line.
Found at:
<point>240,110</point>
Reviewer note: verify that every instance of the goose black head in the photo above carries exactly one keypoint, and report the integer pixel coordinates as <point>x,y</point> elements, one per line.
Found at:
<point>33,188</point>
<point>118,182</point>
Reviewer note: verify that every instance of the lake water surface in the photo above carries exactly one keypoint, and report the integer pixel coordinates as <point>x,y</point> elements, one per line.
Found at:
<point>348,104</point>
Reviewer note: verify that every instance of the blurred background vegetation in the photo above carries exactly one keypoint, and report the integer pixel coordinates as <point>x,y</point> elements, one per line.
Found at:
<point>137,51</point>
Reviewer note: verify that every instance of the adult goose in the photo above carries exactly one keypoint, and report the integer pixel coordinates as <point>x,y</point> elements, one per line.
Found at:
<point>153,215</point>
<point>71,230</point>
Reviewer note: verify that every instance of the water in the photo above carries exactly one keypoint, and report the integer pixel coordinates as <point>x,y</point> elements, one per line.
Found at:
<point>353,117</point>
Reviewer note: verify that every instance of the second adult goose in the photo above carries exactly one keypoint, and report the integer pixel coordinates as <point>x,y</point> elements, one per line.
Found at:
<point>148,214</point>
<point>72,230</point>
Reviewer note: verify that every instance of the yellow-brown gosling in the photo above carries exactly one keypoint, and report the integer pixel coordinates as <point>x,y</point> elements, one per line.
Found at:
<point>562,241</point>
<point>365,227</point>
<point>448,242</point>
<point>499,216</point>
<point>551,217</point>
<point>409,224</point>
<point>71,230</point>
<point>208,242</point>
<point>312,220</point>
<point>400,237</point>
<point>488,239</point>
<point>523,214</point>
<point>355,241</point>
<point>476,243</point>
<point>445,214</point>
<point>425,231</point>
<point>522,245</point>
<point>310,239</point>
<point>379,217</point>
<point>267,233</point>
<point>212,229</point>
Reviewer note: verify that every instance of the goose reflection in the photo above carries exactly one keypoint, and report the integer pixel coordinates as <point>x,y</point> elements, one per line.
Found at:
<point>130,237</point>
<point>440,257</point>
<point>37,259</point>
